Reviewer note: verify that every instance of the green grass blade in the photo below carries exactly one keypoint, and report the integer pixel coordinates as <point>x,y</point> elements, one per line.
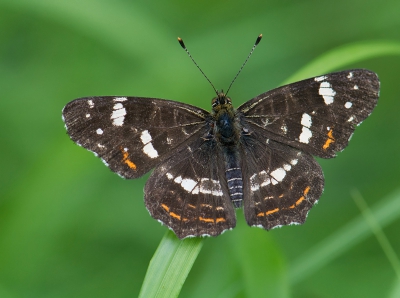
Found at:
<point>264,270</point>
<point>170,266</point>
<point>377,230</point>
<point>385,212</point>
<point>395,291</point>
<point>345,55</point>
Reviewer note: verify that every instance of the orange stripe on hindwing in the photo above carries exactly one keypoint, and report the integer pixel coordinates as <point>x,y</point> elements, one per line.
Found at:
<point>329,140</point>
<point>126,160</point>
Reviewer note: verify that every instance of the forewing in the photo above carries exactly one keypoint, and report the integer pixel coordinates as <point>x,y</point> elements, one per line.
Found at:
<point>280,183</point>
<point>317,115</point>
<point>189,194</point>
<point>131,134</point>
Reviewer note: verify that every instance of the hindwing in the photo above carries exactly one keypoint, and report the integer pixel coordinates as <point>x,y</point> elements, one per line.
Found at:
<point>188,192</point>
<point>280,183</point>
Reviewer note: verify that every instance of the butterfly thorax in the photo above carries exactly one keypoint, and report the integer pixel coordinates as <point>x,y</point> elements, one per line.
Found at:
<point>226,131</point>
<point>226,124</point>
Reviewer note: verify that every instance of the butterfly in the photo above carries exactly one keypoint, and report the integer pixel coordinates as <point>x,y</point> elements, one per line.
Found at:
<point>206,164</point>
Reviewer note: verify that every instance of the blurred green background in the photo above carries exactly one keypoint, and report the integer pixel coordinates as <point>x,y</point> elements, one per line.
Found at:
<point>69,227</point>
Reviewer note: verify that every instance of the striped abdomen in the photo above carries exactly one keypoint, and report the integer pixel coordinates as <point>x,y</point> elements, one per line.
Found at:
<point>233,176</point>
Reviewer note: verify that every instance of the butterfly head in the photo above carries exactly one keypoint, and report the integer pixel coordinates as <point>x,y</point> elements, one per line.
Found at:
<point>221,101</point>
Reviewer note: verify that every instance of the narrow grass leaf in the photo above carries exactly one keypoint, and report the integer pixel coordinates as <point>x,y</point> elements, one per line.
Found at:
<point>385,212</point>
<point>377,230</point>
<point>170,266</point>
<point>345,55</point>
<point>263,266</point>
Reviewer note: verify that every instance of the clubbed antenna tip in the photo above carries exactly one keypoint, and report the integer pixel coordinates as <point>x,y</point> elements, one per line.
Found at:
<point>251,52</point>
<point>184,47</point>
<point>181,43</point>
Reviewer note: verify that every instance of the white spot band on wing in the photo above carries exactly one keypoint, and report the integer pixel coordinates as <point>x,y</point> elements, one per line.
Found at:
<point>325,89</point>
<point>145,137</point>
<point>305,135</point>
<point>150,151</point>
<point>118,115</point>
<point>306,120</point>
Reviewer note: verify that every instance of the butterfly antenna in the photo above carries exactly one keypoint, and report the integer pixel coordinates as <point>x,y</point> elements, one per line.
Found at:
<point>184,47</point>
<point>251,52</point>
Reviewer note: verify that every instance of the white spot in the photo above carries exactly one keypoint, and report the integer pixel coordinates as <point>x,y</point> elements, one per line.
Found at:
<point>284,128</point>
<point>208,186</point>
<point>254,185</point>
<point>328,128</point>
<point>100,146</point>
<point>267,141</point>
<point>91,104</point>
<point>327,92</point>
<point>350,75</point>
<point>169,176</point>
<point>178,180</point>
<point>355,87</point>
<point>118,115</point>
<point>118,106</point>
<point>306,120</point>
<point>188,184</point>
<point>120,99</point>
<point>87,115</point>
<point>305,135</point>
<point>150,151</point>
<point>262,176</point>
<point>350,119</point>
<point>99,131</point>
<point>287,167</point>
<point>348,105</point>
<point>145,137</point>
<point>313,113</point>
<point>294,162</point>
<point>106,163</point>
<point>278,175</point>
<point>321,78</point>
<point>126,149</point>
<point>266,182</point>
<point>169,140</point>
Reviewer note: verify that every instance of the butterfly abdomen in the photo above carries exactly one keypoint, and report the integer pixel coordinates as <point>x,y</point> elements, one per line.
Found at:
<point>233,174</point>
<point>227,134</point>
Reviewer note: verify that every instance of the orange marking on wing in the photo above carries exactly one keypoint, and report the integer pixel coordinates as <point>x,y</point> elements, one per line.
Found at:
<point>297,202</point>
<point>206,219</point>
<point>307,190</point>
<point>272,211</point>
<point>165,207</point>
<point>330,140</point>
<point>126,160</point>
<point>219,219</point>
<point>302,198</point>
<point>260,214</point>
<point>174,215</point>
<point>191,206</point>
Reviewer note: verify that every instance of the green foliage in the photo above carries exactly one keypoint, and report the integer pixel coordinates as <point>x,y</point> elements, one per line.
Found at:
<point>71,228</point>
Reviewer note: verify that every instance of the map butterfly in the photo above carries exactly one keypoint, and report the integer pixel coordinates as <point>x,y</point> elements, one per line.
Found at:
<point>258,156</point>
